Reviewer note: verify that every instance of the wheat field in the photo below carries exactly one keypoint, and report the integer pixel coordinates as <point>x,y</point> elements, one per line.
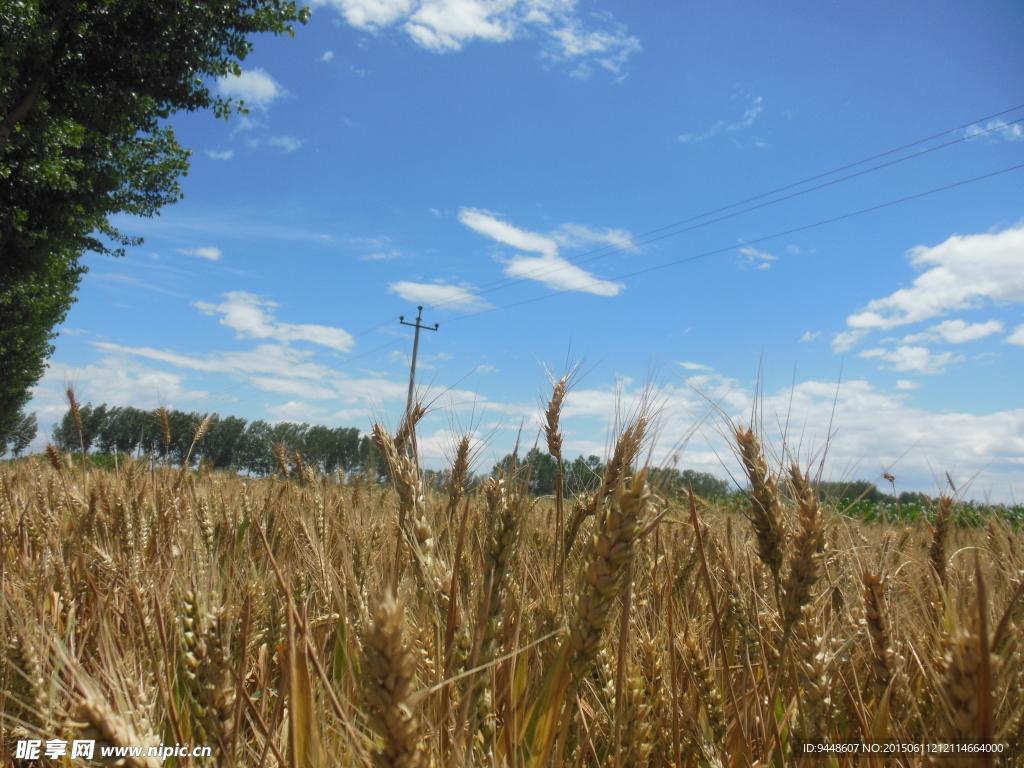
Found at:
<point>314,620</point>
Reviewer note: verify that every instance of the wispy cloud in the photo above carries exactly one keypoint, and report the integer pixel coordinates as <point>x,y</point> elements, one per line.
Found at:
<point>549,268</point>
<point>809,336</point>
<point>998,129</point>
<point>287,143</point>
<point>844,341</point>
<point>750,115</point>
<point>328,56</point>
<point>225,155</point>
<point>487,223</point>
<point>579,235</point>
<point>757,259</point>
<point>249,316</point>
<point>438,294</point>
<point>207,252</point>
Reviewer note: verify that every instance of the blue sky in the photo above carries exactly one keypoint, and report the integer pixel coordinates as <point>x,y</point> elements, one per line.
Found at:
<point>500,161</point>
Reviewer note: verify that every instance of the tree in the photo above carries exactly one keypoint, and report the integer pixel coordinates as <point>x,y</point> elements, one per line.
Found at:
<point>220,443</point>
<point>84,88</point>
<point>24,432</point>
<point>66,435</point>
<point>672,482</point>
<point>581,475</point>
<point>252,452</point>
<point>127,428</point>
<point>332,449</point>
<point>854,489</point>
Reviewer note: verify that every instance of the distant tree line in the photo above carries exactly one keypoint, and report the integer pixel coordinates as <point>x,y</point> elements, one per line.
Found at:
<point>583,475</point>
<point>233,443</point>
<point>229,442</point>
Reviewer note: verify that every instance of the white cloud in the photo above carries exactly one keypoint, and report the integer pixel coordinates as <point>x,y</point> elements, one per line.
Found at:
<point>956,332</point>
<point>844,341</point>
<point>696,367</point>
<point>438,294</point>
<point>225,155</point>
<point>549,268</point>
<point>287,143</point>
<point>254,86</point>
<point>757,259</point>
<point>961,273</point>
<point>560,275</point>
<point>441,25</point>
<point>747,120</point>
<point>449,25</point>
<point>918,359</point>
<point>1017,337</point>
<point>808,336</point>
<point>276,368</point>
<point>697,138</point>
<point>115,380</point>
<point>485,223</point>
<point>328,56</point>
<point>872,431</point>
<point>247,314</point>
<point>207,252</point>
<point>610,47</point>
<point>370,14</point>
<point>875,429</point>
<point>907,384</point>
<point>998,128</point>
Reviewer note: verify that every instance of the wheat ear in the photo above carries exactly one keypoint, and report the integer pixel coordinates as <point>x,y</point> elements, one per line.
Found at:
<point>808,546</point>
<point>388,670</point>
<point>96,720</point>
<point>940,536</point>
<point>766,512</point>
<point>459,473</point>
<point>627,447</point>
<point>611,553</point>
<point>76,416</point>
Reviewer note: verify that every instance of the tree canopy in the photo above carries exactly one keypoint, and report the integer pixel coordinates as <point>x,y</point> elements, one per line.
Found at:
<point>85,88</point>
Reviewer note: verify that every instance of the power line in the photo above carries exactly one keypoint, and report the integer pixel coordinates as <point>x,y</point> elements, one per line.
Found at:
<point>632,242</point>
<point>706,254</point>
<point>703,255</point>
<point>717,251</point>
<point>635,242</point>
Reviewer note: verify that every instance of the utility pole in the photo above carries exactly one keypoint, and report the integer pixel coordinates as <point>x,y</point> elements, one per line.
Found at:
<point>415,350</point>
